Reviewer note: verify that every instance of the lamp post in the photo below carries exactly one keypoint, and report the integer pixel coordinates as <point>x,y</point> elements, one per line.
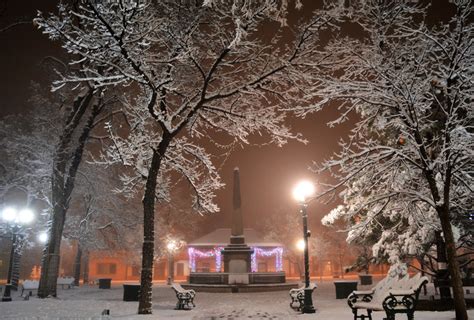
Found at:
<point>300,246</point>
<point>16,219</point>
<point>301,193</point>
<point>171,246</point>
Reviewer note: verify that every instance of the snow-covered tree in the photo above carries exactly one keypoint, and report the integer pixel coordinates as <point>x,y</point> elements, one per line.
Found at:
<point>100,219</point>
<point>324,244</point>
<point>407,169</point>
<point>25,167</point>
<point>80,118</point>
<point>288,232</point>
<point>339,250</point>
<point>28,148</point>
<point>195,71</point>
<point>177,222</point>
<point>50,148</point>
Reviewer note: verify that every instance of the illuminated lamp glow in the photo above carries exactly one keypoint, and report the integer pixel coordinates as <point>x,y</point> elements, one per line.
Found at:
<point>26,216</point>
<point>43,237</point>
<point>9,214</point>
<point>303,191</point>
<point>300,245</point>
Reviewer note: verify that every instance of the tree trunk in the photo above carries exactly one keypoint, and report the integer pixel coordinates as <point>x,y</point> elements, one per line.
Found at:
<point>422,265</point>
<point>77,265</point>
<point>445,220</point>
<point>145,302</point>
<point>442,273</point>
<point>85,276</point>
<point>453,265</point>
<point>66,162</point>
<point>50,268</point>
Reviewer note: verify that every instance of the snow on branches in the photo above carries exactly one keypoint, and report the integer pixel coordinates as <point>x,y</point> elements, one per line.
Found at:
<point>191,71</point>
<point>409,158</point>
<point>188,68</point>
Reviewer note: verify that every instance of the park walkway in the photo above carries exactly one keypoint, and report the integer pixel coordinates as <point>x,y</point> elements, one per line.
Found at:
<point>89,302</point>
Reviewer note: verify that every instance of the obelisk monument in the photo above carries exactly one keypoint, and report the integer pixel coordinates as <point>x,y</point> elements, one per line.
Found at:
<point>237,255</point>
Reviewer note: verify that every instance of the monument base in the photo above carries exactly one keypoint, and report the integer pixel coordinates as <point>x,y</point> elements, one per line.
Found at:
<point>219,282</point>
<point>238,278</point>
<point>221,278</point>
<point>237,258</point>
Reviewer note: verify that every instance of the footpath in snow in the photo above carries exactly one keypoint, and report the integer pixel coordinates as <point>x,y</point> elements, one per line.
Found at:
<point>89,302</point>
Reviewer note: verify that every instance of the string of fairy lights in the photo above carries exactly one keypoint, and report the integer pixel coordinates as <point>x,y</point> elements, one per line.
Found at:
<point>194,254</point>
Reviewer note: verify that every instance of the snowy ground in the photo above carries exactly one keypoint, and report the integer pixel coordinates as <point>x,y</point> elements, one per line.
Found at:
<point>89,302</point>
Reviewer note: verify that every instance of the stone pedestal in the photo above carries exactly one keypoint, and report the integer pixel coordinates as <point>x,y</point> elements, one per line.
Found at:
<point>237,258</point>
<point>238,278</point>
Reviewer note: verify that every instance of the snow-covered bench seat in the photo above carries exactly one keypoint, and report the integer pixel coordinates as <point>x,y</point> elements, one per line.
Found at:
<point>29,285</point>
<point>185,297</point>
<point>297,296</point>
<point>67,281</point>
<point>391,295</point>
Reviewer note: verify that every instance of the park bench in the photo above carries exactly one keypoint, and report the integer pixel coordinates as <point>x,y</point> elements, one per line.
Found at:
<point>185,297</point>
<point>67,281</point>
<point>29,285</point>
<point>391,295</point>
<point>297,296</point>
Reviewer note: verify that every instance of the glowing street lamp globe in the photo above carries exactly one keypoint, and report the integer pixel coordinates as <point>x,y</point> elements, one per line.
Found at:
<point>303,191</point>
<point>26,216</point>
<point>43,237</point>
<point>9,214</point>
<point>300,245</point>
<point>171,246</point>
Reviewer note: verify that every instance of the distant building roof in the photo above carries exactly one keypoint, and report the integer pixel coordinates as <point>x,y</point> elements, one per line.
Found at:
<point>221,237</point>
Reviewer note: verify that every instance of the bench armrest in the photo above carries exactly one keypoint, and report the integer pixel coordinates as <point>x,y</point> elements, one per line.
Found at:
<point>359,296</point>
<point>184,293</point>
<point>400,301</point>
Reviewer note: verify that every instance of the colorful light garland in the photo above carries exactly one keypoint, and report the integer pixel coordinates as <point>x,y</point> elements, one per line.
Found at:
<point>276,252</point>
<point>194,253</point>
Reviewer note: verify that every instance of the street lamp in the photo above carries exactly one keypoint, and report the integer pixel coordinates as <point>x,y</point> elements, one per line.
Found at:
<point>171,246</point>
<point>302,192</point>
<point>43,237</point>
<point>16,219</point>
<point>300,245</point>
